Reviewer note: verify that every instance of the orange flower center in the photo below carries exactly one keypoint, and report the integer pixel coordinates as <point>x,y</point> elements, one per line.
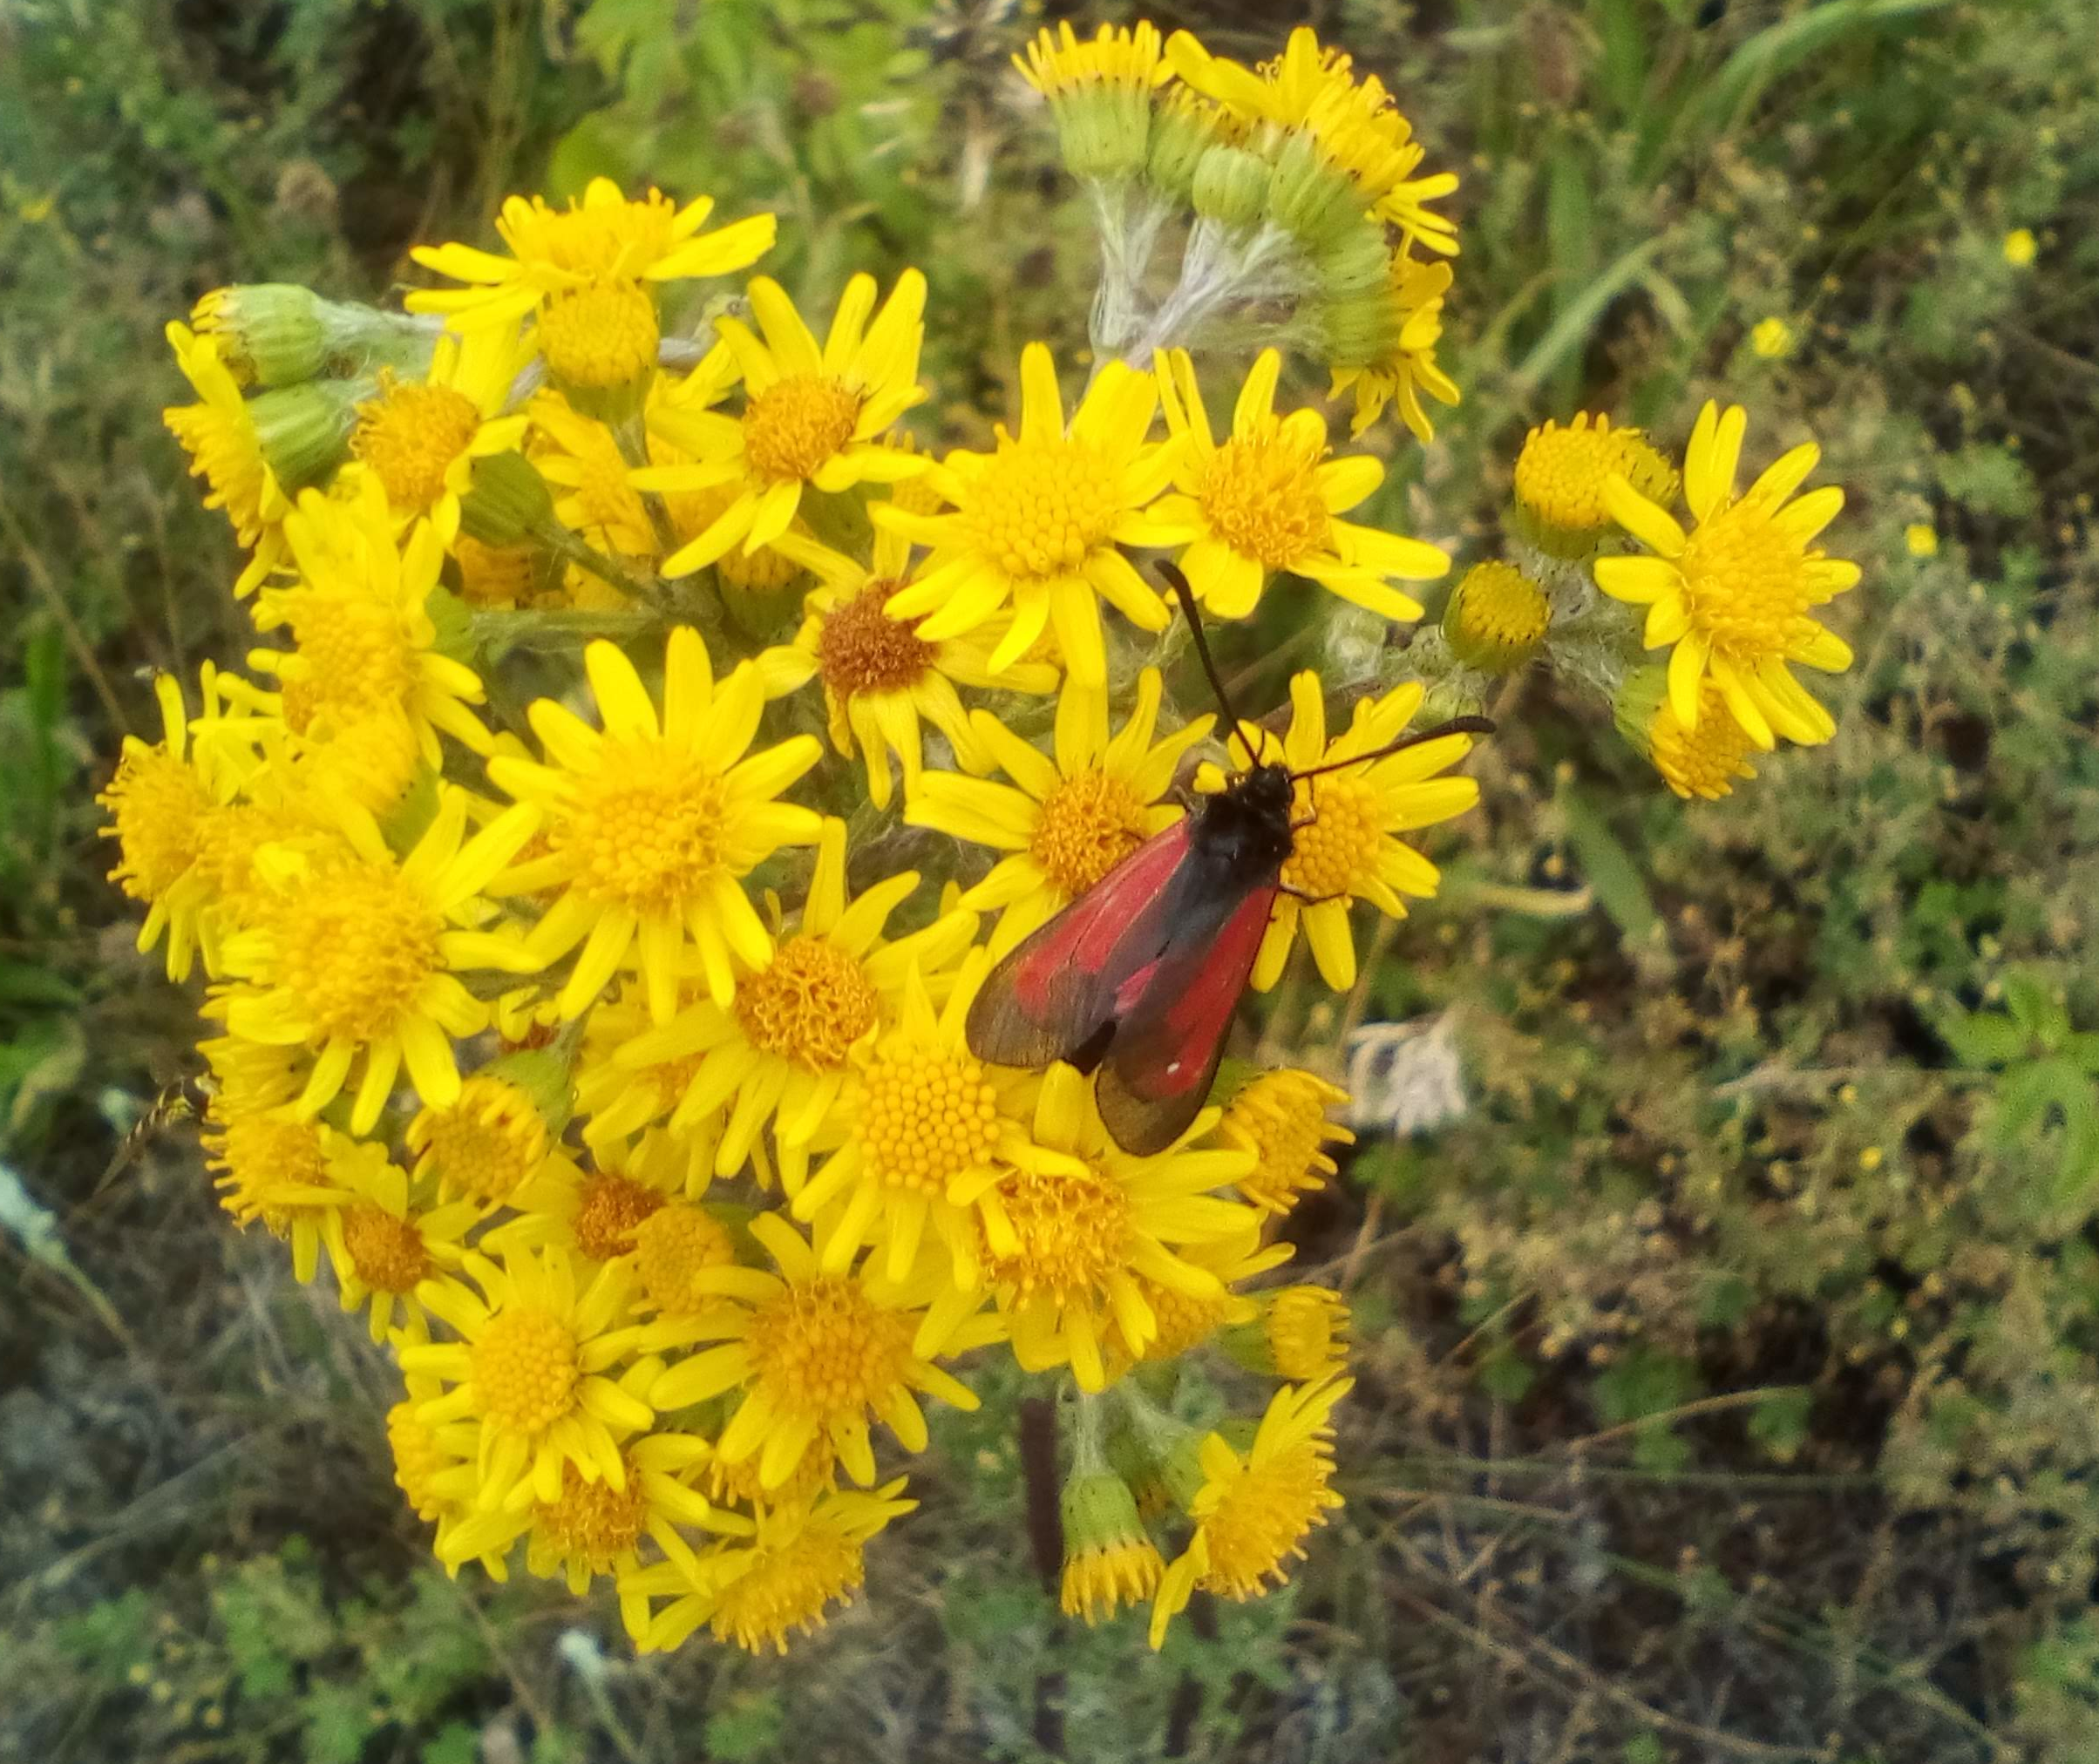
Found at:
<point>860,649</point>
<point>607,1211</point>
<point>809,1004</point>
<point>1090,823</point>
<point>410,435</point>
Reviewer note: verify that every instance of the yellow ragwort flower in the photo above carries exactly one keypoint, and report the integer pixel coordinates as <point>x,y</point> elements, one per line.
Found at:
<point>1305,1332</point>
<point>359,619</point>
<point>1185,1321</point>
<point>880,677</point>
<point>270,1164</point>
<point>1066,1246</point>
<point>387,1252</point>
<point>1036,525</point>
<point>782,1053</point>
<point>594,1528</point>
<point>816,1354</point>
<point>1109,1560</point>
<point>485,1145</point>
<point>1312,91</point>
<point>651,823</point>
<point>1736,594</point>
<point>1560,475</point>
<point>814,417</point>
<point>588,272</point>
<point>1253,1513</point>
<point>531,1371</point>
<point>219,434</point>
<point>420,437</point>
<point>1065,822</point>
<point>1280,1117</point>
<point>927,1128</point>
<point>1267,499</point>
<point>354,954</point>
<point>1346,848</point>
<point>805,1557</point>
<point>161,804</point>
<point>1702,762</point>
<point>1382,346</point>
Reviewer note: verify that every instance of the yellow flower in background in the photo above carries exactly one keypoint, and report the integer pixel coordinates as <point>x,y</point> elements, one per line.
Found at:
<point>1036,525</point>
<point>359,619</point>
<point>1348,821</point>
<point>1185,1321</point>
<point>531,1370</point>
<point>1355,128</point>
<point>780,1055</point>
<point>652,824</point>
<point>269,1164</point>
<point>1267,499</point>
<point>485,1145</point>
<point>1772,338</point>
<point>588,274</point>
<point>2019,248</point>
<point>1109,1560</point>
<point>814,418</point>
<point>594,1529</point>
<point>354,954</point>
<point>1704,760</point>
<point>387,1252</point>
<point>1065,821</point>
<point>1561,474</point>
<point>816,1355</point>
<point>926,1128</point>
<point>1281,1117</point>
<point>1382,346</point>
<point>1736,595</point>
<point>881,680</point>
<point>1305,1332</point>
<point>805,1558</point>
<point>1061,62</point>
<point>219,433</point>
<point>420,437</point>
<point>581,460</point>
<point>1920,539</point>
<point>1253,1514</point>
<point>1067,1246</point>
<point>160,803</point>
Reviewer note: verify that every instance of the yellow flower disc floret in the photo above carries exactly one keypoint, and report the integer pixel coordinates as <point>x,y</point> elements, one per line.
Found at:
<point>926,1117</point>
<point>485,1144</point>
<point>1560,475</point>
<point>1090,822</point>
<point>355,943</point>
<point>526,1368</point>
<point>410,435</point>
<point>798,423</point>
<point>649,821</point>
<point>387,1252</point>
<point>1043,505</point>
<point>1341,844</point>
<point>599,336</point>
<point>1071,1229</point>
<point>822,1350</point>
<point>810,1003</point>
<point>1260,496</point>
<point>673,1246</point>
<point>594,1520</point>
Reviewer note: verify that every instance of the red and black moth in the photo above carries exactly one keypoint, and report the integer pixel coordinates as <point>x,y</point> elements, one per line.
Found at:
<point>1136,980</point>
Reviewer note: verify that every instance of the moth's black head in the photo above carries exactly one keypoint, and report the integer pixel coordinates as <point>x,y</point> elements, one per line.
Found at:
<point>1247,825</point>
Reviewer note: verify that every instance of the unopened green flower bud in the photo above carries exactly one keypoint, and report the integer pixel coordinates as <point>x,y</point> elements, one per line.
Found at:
<point>507,502</point>
<point>269,333</point>
<point>1301,1336</point>
<point>1636,705</point>
<point>1109,1559</point>
<point>1103,131</point>
<point>304,431</point>
<point>1354,262</point>
<point>1359,330</point>
<point>1184,128</point>
<point>1495,618</point>
<point>1309,195</point>
<point>1231,186</point>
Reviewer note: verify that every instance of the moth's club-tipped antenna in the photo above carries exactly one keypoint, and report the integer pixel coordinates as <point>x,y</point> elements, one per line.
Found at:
<point>1186,595</point>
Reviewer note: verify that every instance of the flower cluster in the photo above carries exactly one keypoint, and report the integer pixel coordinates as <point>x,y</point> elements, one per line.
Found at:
<point>600,1042</point>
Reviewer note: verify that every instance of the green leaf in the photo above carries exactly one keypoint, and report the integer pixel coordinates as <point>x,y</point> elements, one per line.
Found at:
<point>1984,1041</point>
<point>1620,889</point>
<point>456,1743</point>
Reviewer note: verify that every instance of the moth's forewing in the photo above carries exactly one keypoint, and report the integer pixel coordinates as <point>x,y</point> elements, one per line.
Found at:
<point>1170,1033</point>
<point>1052,994</point>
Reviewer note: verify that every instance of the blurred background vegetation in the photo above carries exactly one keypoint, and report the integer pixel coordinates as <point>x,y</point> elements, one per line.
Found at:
<point>1728,1385</point>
